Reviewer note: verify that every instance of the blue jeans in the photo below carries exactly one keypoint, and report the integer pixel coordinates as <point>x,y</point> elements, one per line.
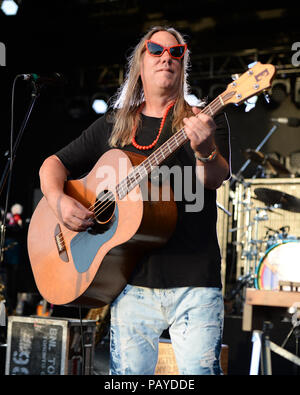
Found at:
<point>194,316</point>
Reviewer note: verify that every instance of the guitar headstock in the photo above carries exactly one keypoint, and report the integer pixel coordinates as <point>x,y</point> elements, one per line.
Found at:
<point>254,81</point>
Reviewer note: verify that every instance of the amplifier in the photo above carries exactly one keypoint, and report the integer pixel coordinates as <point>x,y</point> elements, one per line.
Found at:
<point>254,224</point>
<point>49,346</point>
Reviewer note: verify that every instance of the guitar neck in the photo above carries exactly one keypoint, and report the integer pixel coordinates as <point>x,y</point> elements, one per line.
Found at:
<point>163,152</point>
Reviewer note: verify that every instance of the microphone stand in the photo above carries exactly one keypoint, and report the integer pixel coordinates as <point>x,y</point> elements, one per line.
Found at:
<point>7,174</point>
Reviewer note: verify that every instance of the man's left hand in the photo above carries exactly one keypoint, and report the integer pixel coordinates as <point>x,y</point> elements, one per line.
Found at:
<point>200,129</point>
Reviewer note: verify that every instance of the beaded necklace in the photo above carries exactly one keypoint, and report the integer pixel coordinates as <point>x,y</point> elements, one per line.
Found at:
<point>146,147</point>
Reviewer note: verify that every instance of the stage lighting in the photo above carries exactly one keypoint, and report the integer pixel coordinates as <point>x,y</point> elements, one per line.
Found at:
<point>9,7</point>
<point>99,103</point>
<point>99,106</point>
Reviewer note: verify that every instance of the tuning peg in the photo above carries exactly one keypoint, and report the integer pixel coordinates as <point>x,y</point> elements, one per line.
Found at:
<point>235,76</point>
<point>251,64</point>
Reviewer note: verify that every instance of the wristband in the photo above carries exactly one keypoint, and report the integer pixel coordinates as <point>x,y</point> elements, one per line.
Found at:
<point>210,158</point>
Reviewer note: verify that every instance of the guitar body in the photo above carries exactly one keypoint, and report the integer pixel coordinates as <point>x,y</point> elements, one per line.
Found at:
<point>92,267</point>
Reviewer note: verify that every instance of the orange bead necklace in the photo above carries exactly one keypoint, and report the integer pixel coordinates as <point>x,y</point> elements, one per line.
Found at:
<point>146,147</point>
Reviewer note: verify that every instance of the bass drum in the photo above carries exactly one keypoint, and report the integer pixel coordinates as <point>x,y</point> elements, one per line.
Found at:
<point>280,263</point>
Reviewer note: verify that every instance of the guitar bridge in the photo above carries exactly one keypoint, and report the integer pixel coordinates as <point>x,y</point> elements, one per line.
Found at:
<point>60,244</point>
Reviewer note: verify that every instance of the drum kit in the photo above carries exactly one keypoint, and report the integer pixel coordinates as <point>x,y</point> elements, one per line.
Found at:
<point>271,261</point>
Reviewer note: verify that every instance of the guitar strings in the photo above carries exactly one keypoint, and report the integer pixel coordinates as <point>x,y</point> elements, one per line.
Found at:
<point>105,202</point>
<point>108,199</point>
<point>163,149</point>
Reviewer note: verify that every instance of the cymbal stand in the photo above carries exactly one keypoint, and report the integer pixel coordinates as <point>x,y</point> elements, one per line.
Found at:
<point>260,145</point>
<point>242,198</point>
<point>250,250</point>
<point>251,247</point>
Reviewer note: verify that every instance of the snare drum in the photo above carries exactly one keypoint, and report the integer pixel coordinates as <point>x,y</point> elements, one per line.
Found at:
<point>280,263</point>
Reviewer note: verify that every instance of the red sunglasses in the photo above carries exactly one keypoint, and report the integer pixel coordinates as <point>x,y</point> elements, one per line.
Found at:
<point>175,51</point>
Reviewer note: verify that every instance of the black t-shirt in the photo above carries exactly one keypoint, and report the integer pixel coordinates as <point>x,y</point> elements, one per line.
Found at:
<point>191,257</point>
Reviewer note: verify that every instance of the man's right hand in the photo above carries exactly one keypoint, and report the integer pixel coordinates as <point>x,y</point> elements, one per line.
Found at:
<point>71,213</point>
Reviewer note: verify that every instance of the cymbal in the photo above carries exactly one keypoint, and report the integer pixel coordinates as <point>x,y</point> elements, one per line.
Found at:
<point>264,160</point>
<point>270,197</point>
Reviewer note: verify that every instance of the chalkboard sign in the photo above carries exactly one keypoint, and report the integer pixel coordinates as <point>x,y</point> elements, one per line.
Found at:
<point>36,346</point>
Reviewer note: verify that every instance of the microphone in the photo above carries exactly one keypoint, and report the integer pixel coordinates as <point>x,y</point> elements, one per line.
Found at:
<point>287,121</point>
<point>45,79</point>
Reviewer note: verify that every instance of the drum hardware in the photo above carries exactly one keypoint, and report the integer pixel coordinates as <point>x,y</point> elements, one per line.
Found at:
<point>252,248</point>
<point>293,287</point>
<point>248,161</point>
<point>271,197</point>
<point>242,282</point>
<point>261,214</point>
<point>280,264</point>
<point>251,252</point>
<point>266,162</point>
<point>253,245</point>
<point>272,209</point>
<point>240,179</point>
<point>220,206</point>
<point>274,236</point>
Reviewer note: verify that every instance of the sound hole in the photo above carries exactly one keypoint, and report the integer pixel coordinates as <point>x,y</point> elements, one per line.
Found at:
<point>104,207</point>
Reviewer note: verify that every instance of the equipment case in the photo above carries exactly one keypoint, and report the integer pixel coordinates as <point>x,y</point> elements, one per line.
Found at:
<point>49,346</point>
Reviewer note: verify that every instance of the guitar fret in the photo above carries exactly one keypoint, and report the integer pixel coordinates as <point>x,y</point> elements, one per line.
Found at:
<point>155,157</point>
<point>175,139</point>
<point>141,168</point>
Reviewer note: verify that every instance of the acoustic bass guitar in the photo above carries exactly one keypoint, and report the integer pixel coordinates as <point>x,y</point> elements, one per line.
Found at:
<point>92,267</point>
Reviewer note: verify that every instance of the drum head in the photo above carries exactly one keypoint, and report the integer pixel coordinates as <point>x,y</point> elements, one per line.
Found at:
<point>280,263</point>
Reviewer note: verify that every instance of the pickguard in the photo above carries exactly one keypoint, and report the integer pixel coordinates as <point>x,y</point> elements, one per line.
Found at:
<point>85,245</point>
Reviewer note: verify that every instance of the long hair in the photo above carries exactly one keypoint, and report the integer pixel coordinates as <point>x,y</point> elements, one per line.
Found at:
<point>131,95</point>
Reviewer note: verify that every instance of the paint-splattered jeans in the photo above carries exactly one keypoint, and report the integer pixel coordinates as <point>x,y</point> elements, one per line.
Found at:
<point>194,316</point>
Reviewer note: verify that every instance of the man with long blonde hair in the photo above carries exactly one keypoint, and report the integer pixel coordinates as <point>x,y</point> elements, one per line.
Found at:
<point>178,286</point>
